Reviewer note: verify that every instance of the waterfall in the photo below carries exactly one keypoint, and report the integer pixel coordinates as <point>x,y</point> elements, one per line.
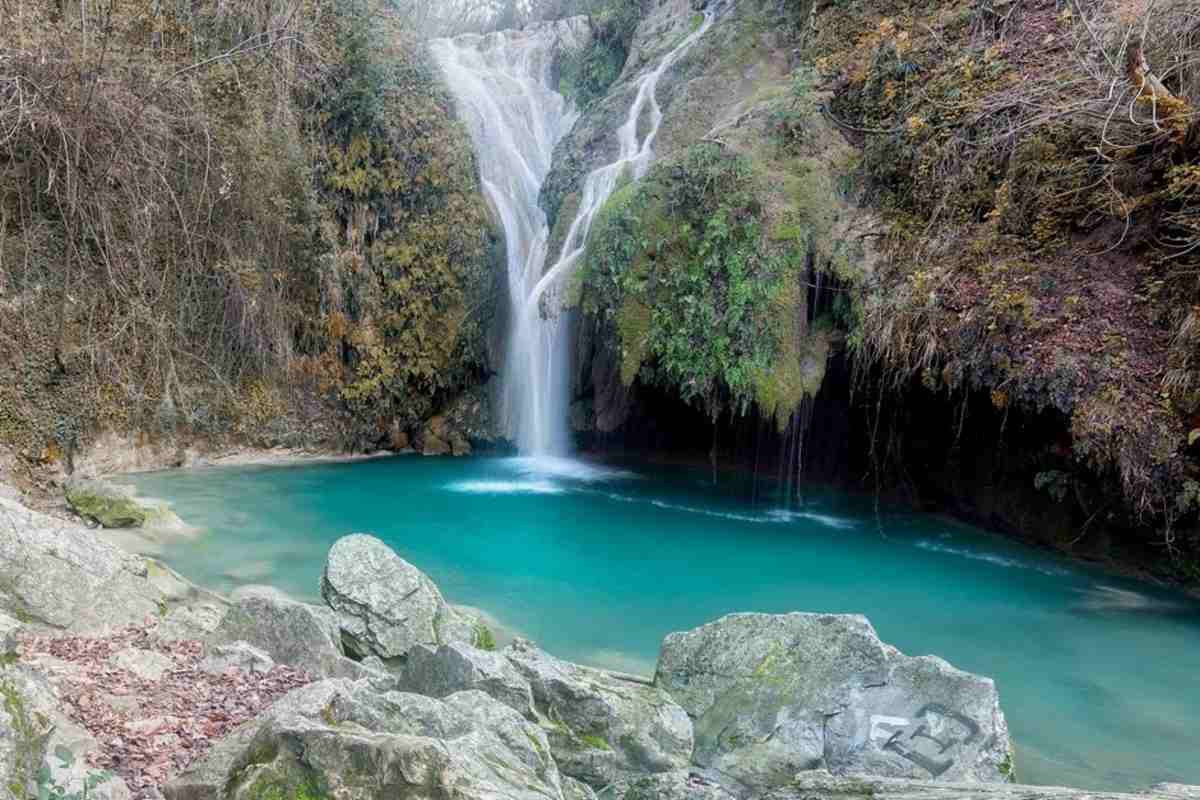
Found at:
<point>502,82</point>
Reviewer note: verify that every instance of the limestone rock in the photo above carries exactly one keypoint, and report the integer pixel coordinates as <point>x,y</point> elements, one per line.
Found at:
<point>576,790</point>
<point>456,667</point>
<point>8,636</point>
<point>39,742</point>
<point>603,728</point>
<point>105,504</point>
<point>65,576</point>
<point>290,632</point>
<point>146,664</point>
<point>384,605</point>
<point>238,655</point>
<point>772,695</point>
<point>677,785</point>
<point>341,739</point>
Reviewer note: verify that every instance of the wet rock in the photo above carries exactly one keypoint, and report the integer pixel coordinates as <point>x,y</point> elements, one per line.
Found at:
<point>105,504</point>
<point>456,667</point>
<point>384,605</point>
<point>290,632</point>
<point>65,576</point>
<point>602,728</point>
<point>342,739</point>
<point>774,695</point>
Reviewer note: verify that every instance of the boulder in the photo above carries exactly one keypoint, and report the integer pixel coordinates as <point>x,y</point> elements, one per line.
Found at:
<point>602,728</point>
<point>678,785</point>
<point>456,667</point>
<point>146,664</point>
<point>105,504</point>
<point>384,605</point>
<point>65,576</point>
<point>238,655</point>
<point>8,637</point>
<point>341,739</point>
<point>772,695</point>
<point>40,747</point>
<point>296,634</point>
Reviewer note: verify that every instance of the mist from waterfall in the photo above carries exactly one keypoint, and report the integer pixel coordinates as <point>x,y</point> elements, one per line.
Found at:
<point>502,82</point>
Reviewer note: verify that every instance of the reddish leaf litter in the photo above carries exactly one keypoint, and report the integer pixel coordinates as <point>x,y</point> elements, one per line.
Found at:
<point>148,731</point>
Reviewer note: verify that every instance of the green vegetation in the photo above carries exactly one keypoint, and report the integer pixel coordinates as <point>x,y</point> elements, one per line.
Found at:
<point>700,299</point>
<point>107,510</point>
<point>595,742</point>
<point>586,74</point>
<point>1036,179</point>
<point>484,638</point>
<point>249,221</point>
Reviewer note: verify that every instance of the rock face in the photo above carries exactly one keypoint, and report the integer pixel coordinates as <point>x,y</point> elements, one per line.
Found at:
<point>384,605</point>
<point>290,632</point>
<point>459,667</point>
<point>105,504</point>
<point>64,576</point>
<point>775,695</point>
<point>341,739</point>
<point>603,728</point>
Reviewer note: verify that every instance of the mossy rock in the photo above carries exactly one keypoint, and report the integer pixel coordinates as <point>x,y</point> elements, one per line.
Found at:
<point>106,505</point>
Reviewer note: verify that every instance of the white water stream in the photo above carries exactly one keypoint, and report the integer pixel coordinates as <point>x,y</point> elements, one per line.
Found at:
<point>502,82</point>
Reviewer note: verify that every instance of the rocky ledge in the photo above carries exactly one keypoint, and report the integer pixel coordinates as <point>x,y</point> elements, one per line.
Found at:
<point>119,679</point>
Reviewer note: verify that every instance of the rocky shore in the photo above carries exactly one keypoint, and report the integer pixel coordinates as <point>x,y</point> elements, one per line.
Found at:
<point>119,679</point>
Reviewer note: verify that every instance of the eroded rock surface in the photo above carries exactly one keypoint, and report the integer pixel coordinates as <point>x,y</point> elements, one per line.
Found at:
<point>602,728</point>
<point>297,634</point>
<point>773,695</point>
<point>456,667</point>
<point>342,739</point>
<point>384,605</point>
<point>63,575</point>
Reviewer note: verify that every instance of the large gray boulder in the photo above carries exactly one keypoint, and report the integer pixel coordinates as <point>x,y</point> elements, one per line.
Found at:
<point>384,605</point>
<point>774,695</point>
<point>602,727</point>
<point>290,632</point>
<point>65,576</point>
<point>457,667</point>
<point>343,740</point>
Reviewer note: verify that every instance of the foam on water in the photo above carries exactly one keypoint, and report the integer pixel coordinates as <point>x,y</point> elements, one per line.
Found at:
<point>991,558</point>
<point>505,487</point>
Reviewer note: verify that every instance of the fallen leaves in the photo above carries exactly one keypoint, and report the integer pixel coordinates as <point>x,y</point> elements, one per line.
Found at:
<point>148,731</point>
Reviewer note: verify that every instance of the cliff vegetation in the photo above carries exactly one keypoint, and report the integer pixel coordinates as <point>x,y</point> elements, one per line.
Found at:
<point>256,221</point>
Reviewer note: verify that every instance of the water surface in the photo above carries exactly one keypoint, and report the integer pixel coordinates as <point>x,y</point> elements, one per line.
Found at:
<point>1099,677</point>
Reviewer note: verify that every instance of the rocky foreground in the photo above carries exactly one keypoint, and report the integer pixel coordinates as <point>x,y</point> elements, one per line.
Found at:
<point>119,679</point>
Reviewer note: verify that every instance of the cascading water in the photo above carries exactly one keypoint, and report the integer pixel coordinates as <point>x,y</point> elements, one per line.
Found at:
<point>502,84</point>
